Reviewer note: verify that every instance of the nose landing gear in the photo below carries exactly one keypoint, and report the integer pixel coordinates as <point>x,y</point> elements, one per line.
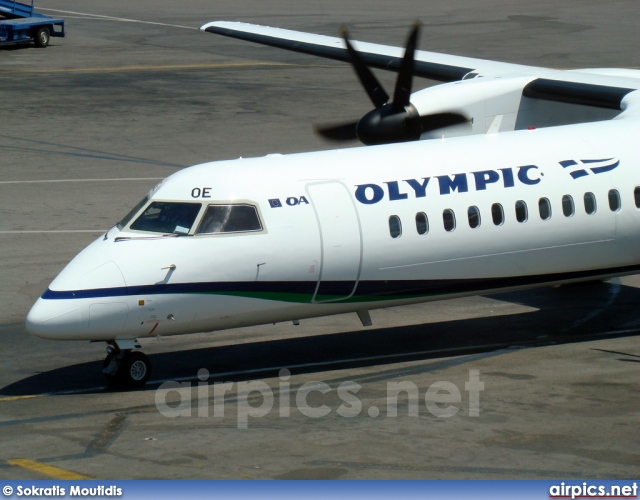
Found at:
<point>123,367</point>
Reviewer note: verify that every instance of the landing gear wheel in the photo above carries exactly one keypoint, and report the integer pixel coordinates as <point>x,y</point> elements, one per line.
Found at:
<point>126,369</point>
<point>41,37</point>
<point>135,369</point>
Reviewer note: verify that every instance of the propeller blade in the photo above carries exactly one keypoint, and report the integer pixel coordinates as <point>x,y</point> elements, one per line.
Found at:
<point>337,131</point>
<point>402,91</point>
<point>374,89</point>
<point>397,121</point>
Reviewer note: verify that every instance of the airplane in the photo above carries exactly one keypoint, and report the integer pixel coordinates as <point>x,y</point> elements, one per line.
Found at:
<point>503,177</point>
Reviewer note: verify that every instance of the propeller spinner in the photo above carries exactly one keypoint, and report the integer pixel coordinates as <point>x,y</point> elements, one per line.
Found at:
<point>388,122</point>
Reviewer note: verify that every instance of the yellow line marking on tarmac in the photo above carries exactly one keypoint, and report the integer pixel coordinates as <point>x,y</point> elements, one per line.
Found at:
<point>47,470</point>
<point>169,67</point>
<point>16,398</point>
<point>150,67</point>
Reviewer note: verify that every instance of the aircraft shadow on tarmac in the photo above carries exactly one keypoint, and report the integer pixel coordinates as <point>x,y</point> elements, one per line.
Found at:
<point>575,313</point>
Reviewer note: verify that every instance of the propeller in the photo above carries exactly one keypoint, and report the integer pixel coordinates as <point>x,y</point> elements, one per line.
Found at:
<point>388,122</point>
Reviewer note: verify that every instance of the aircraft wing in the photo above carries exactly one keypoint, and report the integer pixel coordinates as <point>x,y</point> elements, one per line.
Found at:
<point>432,65</point>
<point>596,88</point>
<point>516,90</point>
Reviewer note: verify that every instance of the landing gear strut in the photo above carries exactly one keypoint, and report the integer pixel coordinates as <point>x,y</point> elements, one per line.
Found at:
<point>123,367</point>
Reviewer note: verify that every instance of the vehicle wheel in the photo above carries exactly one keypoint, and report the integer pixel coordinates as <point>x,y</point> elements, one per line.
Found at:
<point>42,37</point>
<point>135,369</point>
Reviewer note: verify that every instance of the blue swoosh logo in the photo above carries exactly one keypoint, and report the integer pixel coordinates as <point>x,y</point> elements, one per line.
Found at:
<point>596,166</point>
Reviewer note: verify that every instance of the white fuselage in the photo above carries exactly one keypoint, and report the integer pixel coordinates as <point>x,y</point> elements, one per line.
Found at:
<point>341,231</point>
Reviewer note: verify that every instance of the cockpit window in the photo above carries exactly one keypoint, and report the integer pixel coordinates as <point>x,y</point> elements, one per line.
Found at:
<point>134,210</point>
<point>229,219</point>
<point>167,217</point>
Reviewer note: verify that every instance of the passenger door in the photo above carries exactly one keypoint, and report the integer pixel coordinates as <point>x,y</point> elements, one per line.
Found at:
<point>340,240</point>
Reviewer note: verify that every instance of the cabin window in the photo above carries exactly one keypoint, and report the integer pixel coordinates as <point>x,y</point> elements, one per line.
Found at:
<point>497,214</point>
<point>395,227</point>
<point>422,223</point>
<point>636,196</point>
<point>521,211</point>
<point>473,214</point>
<point>544,207</point>
<point>167,217</point>
<point>614,200</point>
<point>568,208</point>
<point>229,219</point>
<point>590,203</point>
<point>449,220</point>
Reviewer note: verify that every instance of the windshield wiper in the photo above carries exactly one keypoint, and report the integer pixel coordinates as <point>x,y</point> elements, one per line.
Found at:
<point>166,235</point>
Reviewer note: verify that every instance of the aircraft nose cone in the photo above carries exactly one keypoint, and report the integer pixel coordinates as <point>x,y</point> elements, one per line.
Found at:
<point>51,319</point>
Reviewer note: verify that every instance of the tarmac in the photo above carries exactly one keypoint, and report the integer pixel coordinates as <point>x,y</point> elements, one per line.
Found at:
<point>539,384</point>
